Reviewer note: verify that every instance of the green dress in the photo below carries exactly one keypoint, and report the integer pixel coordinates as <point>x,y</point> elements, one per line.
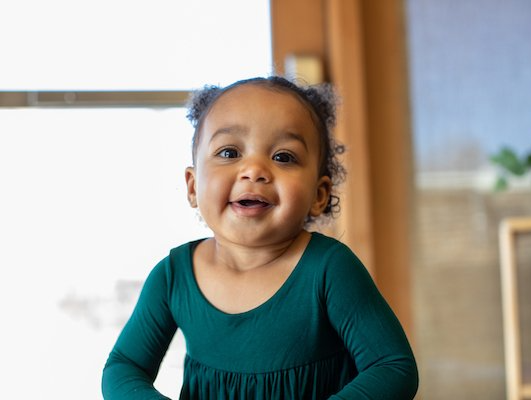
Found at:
<point>326,333</point>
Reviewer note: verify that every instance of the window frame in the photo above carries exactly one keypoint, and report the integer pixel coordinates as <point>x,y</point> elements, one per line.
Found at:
<point>89,98</point>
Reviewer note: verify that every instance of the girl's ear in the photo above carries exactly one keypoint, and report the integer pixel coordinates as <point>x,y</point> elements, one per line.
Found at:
<point>324,189</point>
<point>189,175</point>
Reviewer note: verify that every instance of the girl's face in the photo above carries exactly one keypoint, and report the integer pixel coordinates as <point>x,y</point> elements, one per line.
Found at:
<point>256,176</point>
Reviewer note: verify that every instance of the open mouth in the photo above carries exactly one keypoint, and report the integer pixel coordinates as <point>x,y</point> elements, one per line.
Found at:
<point>253,203</point>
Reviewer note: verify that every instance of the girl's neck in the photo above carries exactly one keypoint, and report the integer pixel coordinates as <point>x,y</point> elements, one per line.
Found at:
<point>244,258</point>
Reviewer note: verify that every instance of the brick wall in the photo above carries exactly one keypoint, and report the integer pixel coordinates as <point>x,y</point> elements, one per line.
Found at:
<point>457,293</point>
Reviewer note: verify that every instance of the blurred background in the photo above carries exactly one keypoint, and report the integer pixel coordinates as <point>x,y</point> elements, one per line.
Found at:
<point>435,113</point>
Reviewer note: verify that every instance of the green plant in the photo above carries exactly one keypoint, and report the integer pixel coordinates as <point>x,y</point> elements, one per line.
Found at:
<point>509,163</point>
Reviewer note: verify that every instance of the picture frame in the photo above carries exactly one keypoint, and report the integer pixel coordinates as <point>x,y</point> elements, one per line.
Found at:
<point>509,230</point>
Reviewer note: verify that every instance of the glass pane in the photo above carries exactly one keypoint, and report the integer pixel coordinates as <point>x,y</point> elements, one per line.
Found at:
<point>120,44</point>
<point>90,200</point>
<point>470,79</point>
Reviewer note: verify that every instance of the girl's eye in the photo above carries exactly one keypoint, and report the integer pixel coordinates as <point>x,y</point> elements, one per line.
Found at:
<point>228,153</point>
<point>284,158</point>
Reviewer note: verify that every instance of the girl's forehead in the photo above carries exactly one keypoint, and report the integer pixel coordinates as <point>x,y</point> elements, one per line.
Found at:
<point>258,93</point>
<point>253,98</point>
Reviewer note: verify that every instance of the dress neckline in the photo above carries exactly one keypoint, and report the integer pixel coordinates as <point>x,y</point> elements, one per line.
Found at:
<point>255,310</point>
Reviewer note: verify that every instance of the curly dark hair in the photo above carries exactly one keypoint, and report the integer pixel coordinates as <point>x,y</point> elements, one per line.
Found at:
<point>320,100</point>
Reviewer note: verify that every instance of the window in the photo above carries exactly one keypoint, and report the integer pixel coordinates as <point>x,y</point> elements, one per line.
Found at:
<point>93,146</point>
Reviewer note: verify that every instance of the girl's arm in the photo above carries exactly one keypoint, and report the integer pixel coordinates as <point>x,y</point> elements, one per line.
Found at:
<point>135,359</point>
<point>370,331</point>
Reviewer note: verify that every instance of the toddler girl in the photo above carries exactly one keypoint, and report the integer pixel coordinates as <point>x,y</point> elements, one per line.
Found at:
<point>268,309</point>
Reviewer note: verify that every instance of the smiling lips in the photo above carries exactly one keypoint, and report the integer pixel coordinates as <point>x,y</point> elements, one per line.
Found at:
<point>250,205</point>
<point>253,203</point>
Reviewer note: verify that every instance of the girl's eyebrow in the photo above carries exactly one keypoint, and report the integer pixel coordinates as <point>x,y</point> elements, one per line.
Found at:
<point>292,136</point>
<point>239,130</point>
<point>233,130</point>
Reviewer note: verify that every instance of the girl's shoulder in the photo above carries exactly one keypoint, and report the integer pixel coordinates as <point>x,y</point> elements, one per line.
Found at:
<point>334,261</point>
<point>176,266</point>
<point>326,248</point>
<point>183,253</point>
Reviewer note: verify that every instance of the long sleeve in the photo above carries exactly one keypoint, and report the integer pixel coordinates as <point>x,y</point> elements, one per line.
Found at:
<point>134,361</point>
<point>370,331</point>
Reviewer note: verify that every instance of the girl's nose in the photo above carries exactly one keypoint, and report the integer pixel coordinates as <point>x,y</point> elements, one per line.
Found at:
<point>255,170</point>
